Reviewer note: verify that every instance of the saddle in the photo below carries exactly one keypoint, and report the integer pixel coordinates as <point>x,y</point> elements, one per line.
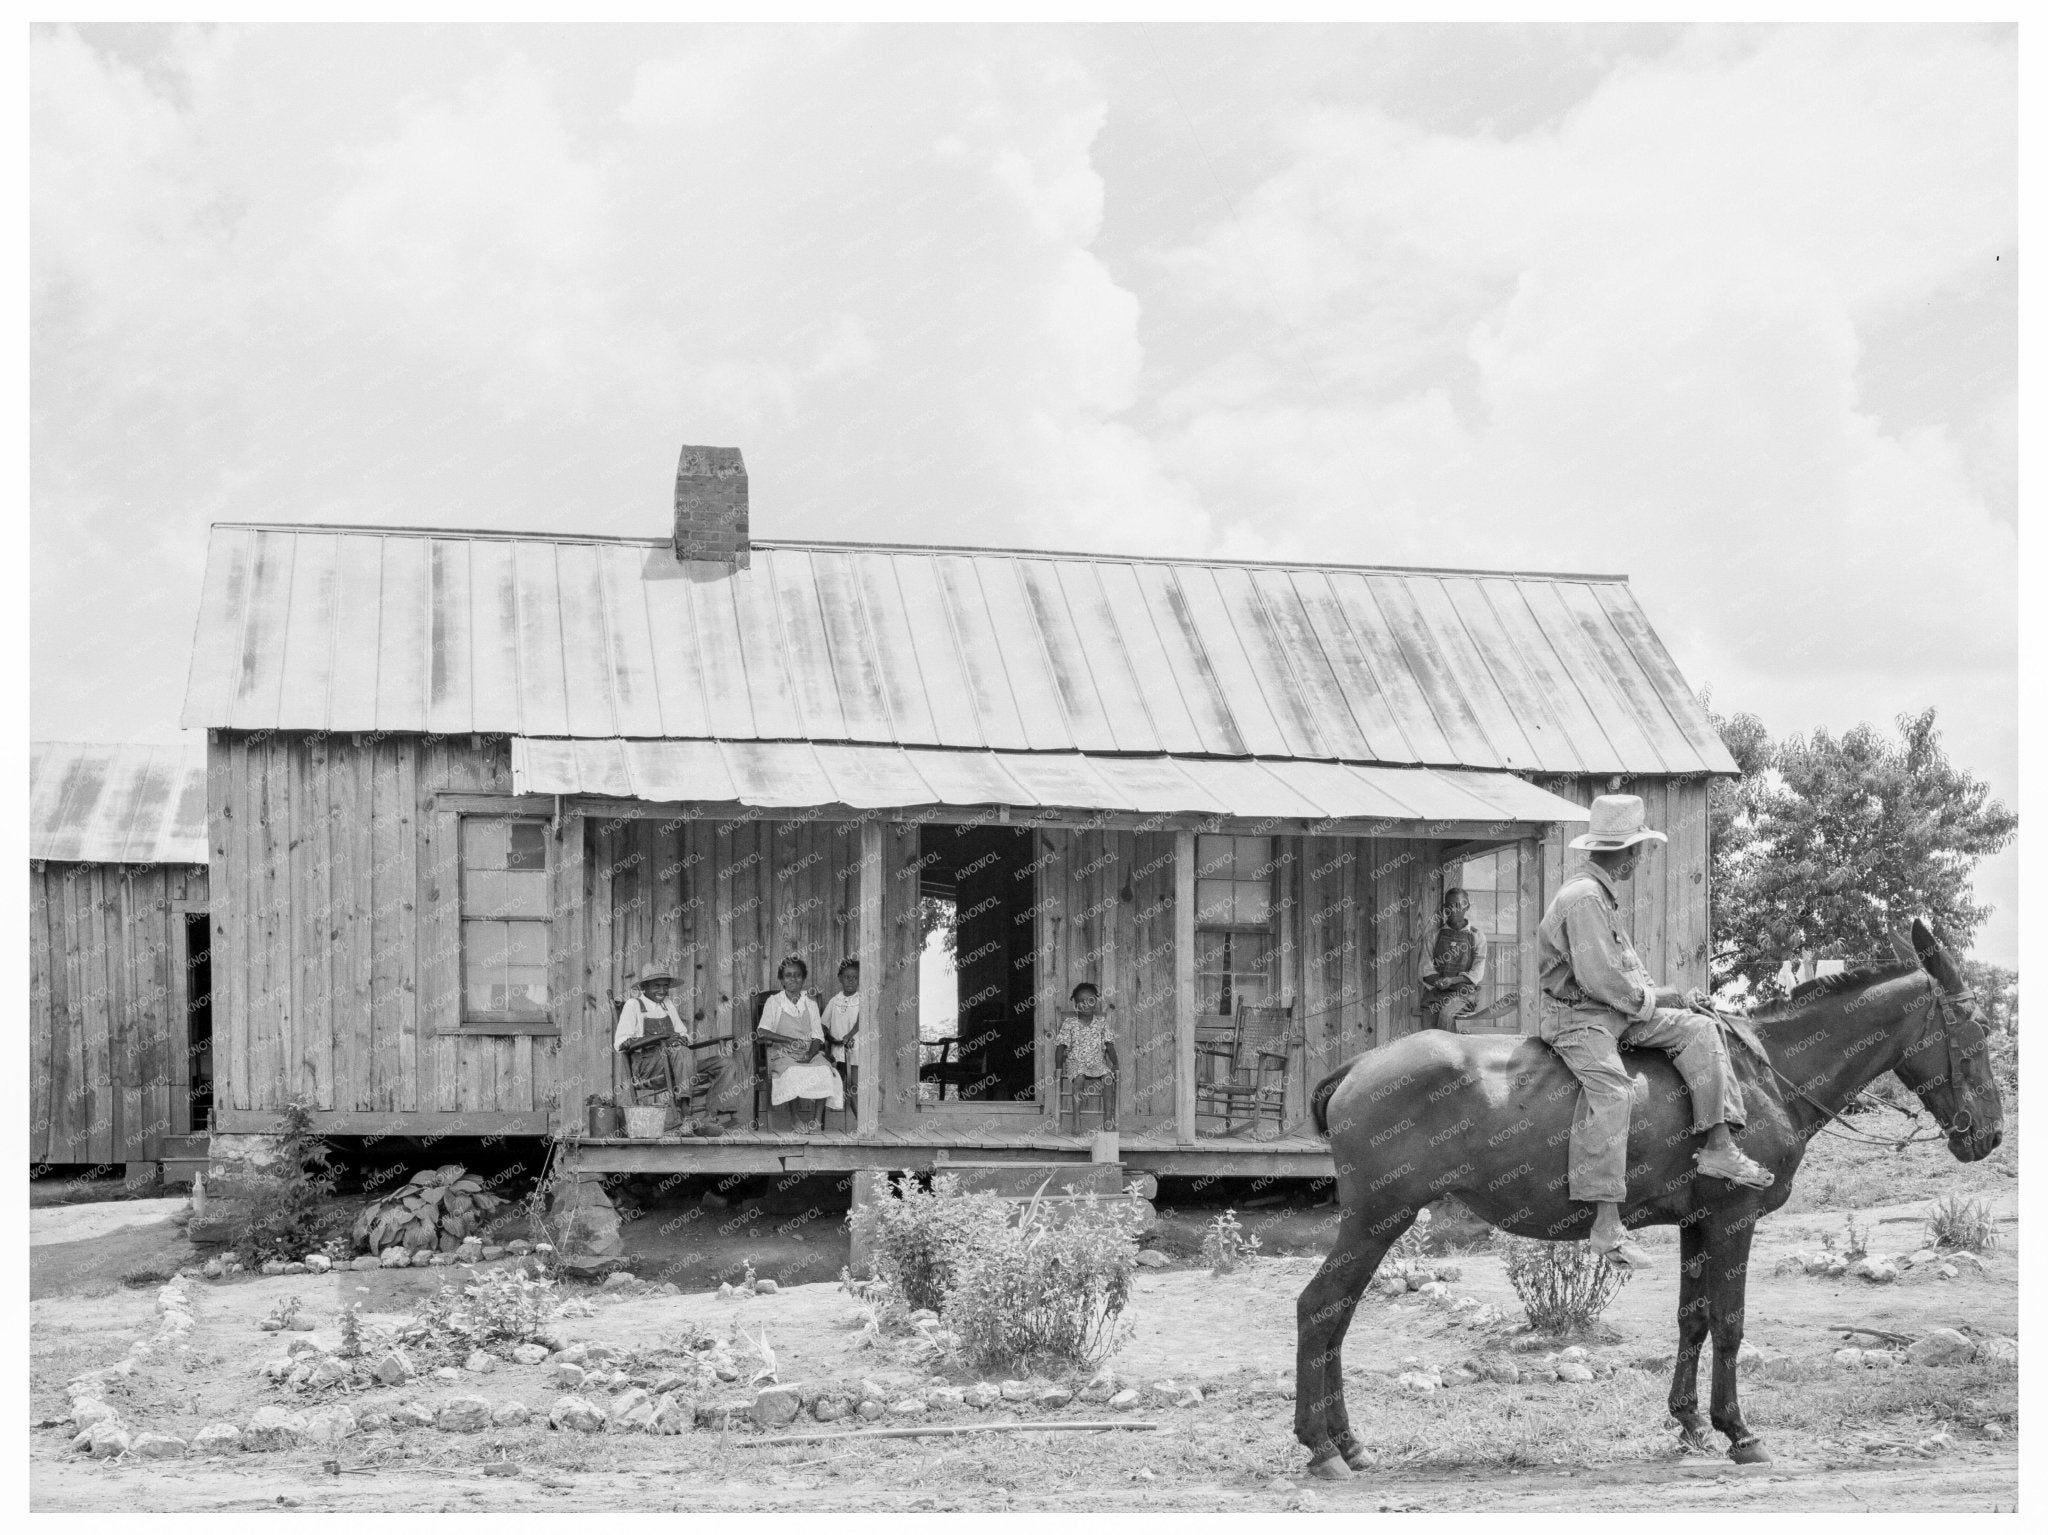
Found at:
<point>1735,1026</point>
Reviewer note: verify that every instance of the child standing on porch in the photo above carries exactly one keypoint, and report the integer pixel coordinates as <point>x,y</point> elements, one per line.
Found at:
<point>1083,1052</point>
<point>795,1035</point>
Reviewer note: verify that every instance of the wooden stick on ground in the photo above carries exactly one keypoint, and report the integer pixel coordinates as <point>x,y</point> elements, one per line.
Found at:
<point>1871,1332</point>
<point>946,1431</point>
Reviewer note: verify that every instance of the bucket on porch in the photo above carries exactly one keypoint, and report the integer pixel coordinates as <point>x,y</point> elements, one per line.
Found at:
<point>1106,1147</point>
<point>605,1120</point>
<point>646,1121</point>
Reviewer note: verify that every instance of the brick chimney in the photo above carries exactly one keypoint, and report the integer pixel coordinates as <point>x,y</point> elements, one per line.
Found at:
<point>711,506</point>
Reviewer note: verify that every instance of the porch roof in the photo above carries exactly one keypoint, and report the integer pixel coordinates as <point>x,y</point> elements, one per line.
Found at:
<point>790,774</point>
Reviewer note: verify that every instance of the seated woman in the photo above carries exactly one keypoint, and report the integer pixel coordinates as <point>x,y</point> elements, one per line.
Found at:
<point>798,1069</point>
<point>1084,1051</point>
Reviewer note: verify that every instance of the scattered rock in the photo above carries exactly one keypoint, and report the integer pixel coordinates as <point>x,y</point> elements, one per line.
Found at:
<point>1936,1443</point>
<point>318,1263</point>
<point>871,1409</point>
<point>1876,1270</point>
<point>1575,1374</point>
<point>1124,1400</point>
<point>213,1268</point>
<point>1054,1396</point>
<point>365,1263</point>
<point>1163,1392</point>
<point>1999,1350</point>
<point>519,1247</point>
<point>86,1411</point>
<point>767,1287</point>
<point>775,1406</point>
<point>1499,1369</point>
<point>908,1407</point>
<point>217,1439</point>
<point>273,1266</point>
<point>1946,1270</point>
<point>1572,1355</point>
<point>423,1258</point>
<point>945,1398</point>
<point>330,1425</point>
<point>157,1447</point>
<point>274,1428</point>
<point>575,1353</point>
<point>1942,1346</point>
<point>479,1362</point>
<point>981,1395</point>
<point>1993,1431</point>
<point>1017,1390</point>
<point>1849,1358</point>
<point>575,1412</point>
<point>492,1254</point>
<point>633,1411</point>
<point>394,1258</point>
<point>1418,1383</point>
<point>529,1353</point>
<point>620,1281</point>
<point>373,1420</point>
<point>1152,1258</point>
<point>1101,1387</point>
<point>104,1440</point>
<point>395,1368</point>
<point>672,1415</point>
<point>1924,1255</point>
<point>412,1415</point>
<point>463,1415</point>
<point>509,1414</point>
<point>293,1267</point>
<point>569,1377</point>
<point>448,1375</point>
<point>829,1409</point>
<point>1964,1255</point>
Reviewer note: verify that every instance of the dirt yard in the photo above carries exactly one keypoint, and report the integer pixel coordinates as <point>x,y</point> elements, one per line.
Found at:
<point>1907,1437</point>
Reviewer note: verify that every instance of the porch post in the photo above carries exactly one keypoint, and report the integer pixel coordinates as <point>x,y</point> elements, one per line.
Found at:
<point>1184,987</point>
<point>867,1052</point>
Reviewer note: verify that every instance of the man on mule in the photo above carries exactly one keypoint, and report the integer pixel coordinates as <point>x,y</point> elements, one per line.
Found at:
<point>1598,998</point>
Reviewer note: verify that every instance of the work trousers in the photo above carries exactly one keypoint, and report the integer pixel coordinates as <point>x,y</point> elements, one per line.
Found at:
<point>1589,1040</point>
<point>1443,1009</point>
<point>719,1085</point>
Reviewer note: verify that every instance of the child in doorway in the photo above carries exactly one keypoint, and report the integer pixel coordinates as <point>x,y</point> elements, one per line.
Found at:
<point>795,1034</point>
<point>1084,1050</point>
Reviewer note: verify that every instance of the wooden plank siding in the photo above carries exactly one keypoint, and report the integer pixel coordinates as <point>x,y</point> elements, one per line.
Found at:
<point>107,1028</point>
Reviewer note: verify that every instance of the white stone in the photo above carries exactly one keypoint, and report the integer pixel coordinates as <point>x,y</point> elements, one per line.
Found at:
<point>981,1395</point>
<point>575,1412</point>
<point>479,1362</point>
<point>463,1415</point>
<point>1124,1400</point>
<point>217,1439</point>
<point>1152,1258</point>
<point>529,1353</point>
<point>86,1411</point>
<point>1053,1396</point>
<point>274,1428</point>
<point>1942,1346</point>
<point>1574,1374</point>
<point>395,1258</point>
<point>509,1414</point>
<point>1416,1382</point>
<point>318,1263</point>
<point>330,1425</point>
<point>908,1407</point>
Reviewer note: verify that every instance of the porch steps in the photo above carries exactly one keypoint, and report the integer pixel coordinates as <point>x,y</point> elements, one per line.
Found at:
<point>183,1156</point>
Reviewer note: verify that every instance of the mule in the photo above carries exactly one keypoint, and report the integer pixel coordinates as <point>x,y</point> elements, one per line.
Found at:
<point>1487,1118</point>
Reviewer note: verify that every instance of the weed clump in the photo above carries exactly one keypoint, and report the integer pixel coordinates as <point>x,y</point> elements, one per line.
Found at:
<point>1225,1245</point>
<point>921,1237</point>
<point>1048,1293</point>
<point>1963,1223</point>
<point>1563,1286</point>
<point>288,1211</point>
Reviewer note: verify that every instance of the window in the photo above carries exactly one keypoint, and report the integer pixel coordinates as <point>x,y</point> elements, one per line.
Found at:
<point>1491,881</point>
<point>1233,921</point>
<point>505,915</point>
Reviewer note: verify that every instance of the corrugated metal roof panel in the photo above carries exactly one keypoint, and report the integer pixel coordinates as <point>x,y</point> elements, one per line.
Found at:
<point>358,629</point>
<point>91,803</point>
<point>789,774</point>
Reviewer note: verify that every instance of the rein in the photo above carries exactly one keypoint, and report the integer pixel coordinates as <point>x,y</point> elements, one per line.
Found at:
<point>1827,1126</point>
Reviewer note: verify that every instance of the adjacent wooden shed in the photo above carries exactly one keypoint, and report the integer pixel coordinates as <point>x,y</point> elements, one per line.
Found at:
<point>119,1061</point>
<point>465,783</point>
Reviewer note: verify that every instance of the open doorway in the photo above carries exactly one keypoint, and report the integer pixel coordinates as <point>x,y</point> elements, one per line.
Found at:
<point>199,1019</point>
<point>977,1012</point>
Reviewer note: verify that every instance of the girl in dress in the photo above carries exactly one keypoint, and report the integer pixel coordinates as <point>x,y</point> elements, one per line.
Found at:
<point>798,1068</point>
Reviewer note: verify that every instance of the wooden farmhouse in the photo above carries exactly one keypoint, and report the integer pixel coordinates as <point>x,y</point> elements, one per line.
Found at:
<point>120,1059</point>
<point>464,784</point>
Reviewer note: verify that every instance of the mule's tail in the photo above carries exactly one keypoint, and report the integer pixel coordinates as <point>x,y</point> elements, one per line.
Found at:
<point>1319,1100</point>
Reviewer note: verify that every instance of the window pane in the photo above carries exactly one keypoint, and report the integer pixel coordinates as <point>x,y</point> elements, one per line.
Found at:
<point>483,892</point>
<point>1213,904</point>
<point>1253,855</point>
<point>483,965</point>
<point>1252,902</point>
<point>526,944</point>
<point>483,842</point>
<point>525,895</point>
<point>526,992</point>
<point>528,845</point>
<point>1213,856</point>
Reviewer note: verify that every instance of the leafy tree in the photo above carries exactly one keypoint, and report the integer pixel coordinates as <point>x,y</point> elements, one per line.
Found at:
<point>1846,837</point>
<point>1731,822</point>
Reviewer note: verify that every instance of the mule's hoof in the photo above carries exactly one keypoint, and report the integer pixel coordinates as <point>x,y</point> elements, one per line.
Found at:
<point>1694,1444</point>
<point>1355,1454</point>
<point>1330,1468</point>
<point>1750,1452</point>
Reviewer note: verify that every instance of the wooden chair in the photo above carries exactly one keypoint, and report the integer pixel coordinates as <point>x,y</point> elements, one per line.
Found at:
<point>650,1068</point>
<point>950,1070</point>
<point>1252,1087</point>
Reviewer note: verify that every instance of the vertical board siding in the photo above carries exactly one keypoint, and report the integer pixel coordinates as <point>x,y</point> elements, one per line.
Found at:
<point>107,1027</point>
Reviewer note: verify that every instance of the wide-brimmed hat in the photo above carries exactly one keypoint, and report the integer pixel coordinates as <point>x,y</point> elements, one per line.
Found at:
<point>1617,823</point>
<point>654,973</point>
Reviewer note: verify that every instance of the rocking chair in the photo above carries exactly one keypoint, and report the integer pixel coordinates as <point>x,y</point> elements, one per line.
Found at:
<point>1246,1083</point>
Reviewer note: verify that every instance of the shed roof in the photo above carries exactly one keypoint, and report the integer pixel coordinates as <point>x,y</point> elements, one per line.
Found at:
<point>419,630</point>
<point>92,803</point>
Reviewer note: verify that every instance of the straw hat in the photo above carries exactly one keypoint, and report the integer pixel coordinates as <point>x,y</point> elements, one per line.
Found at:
<point>655,972</point>
<point>1618,822</point>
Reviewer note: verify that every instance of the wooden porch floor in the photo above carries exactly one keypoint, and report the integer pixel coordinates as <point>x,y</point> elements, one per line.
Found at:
<point>845,1151</point>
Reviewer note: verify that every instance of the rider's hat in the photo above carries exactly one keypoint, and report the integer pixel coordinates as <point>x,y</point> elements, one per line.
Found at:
<point>1617,823</point>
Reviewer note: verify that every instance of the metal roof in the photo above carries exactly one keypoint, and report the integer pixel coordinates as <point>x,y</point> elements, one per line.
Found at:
<point>90,803</point>
<point>790,773</point>
<point>309,628</point>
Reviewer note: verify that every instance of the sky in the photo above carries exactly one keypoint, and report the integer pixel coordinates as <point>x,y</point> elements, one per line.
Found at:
<point>1731,310</point>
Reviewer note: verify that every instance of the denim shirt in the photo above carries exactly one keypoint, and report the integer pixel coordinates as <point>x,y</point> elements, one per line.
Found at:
<point>1582,954</point>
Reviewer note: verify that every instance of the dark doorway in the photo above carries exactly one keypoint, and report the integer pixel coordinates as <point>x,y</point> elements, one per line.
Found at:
<point>978,1011</point>
<point>199,1018</point>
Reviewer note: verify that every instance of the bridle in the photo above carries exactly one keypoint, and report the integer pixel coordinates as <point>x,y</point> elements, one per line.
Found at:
<point>1962,1122</point>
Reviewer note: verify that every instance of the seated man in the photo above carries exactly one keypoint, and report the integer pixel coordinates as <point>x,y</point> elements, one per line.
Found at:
<point>1456,968</point>
<point>650,1018</point>
<point>1083,1050</point>
<point>1599,998</point>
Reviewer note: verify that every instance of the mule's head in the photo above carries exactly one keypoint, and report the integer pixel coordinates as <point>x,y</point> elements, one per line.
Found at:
<point>1948,1066</point>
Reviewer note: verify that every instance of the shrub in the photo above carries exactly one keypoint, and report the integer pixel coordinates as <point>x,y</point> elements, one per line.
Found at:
<point>1224,1244</point>
<point>288,1215</point>
<point>434,1208</point>
<point>920,1238</point>
<point>1049,1292</point>
<point>1563,1286</point>
<point>498,1306</point>
<point>1964,1223</point>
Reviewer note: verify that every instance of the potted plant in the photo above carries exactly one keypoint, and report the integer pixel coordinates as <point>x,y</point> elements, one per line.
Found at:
<point>604,1115</point>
